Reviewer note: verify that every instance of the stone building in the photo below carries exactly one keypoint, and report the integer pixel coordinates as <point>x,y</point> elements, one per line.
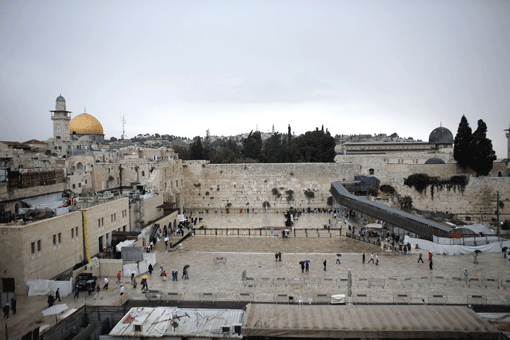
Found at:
<point>45,248</point>
<point>440,141</point>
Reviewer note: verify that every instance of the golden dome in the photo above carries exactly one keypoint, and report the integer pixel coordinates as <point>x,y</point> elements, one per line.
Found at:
<point>85,124</point>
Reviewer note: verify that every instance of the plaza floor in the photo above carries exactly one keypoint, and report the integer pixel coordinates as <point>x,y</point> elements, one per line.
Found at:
<point>217,264</point>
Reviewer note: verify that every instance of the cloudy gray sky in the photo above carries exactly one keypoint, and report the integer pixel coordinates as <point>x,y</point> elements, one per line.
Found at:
<point>182,67</point>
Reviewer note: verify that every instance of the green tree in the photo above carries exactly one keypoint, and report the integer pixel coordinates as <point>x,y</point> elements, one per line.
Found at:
<point>274,149</point>
<point>462,144</point>
<point>313,146</point>
<point>196,149</point>
<point>182,151</point>
<point>483,154</point>
<point>229,153</point>
<point>253,147</point>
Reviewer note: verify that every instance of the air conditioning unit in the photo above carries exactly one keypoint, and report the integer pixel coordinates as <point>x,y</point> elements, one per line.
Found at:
<point>225,329</point>
<point>236,329</point>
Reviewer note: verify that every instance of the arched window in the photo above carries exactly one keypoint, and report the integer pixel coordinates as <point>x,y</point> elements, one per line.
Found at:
<point>143,173</point>
<point>500,174</point>
<point>79,166</point>
<point>371,171</point>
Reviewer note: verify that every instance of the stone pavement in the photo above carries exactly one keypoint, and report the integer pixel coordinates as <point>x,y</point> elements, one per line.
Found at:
<point>215,279</point>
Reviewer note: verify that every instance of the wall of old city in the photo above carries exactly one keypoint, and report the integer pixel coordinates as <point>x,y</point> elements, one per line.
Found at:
<point>210,186</point>
<point>477,201</point>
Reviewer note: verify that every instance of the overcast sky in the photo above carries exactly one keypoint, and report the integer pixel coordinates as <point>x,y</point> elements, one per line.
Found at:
<point>182,67</point>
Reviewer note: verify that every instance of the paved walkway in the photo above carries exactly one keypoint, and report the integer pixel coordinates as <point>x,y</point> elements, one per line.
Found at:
<point>213,279</point>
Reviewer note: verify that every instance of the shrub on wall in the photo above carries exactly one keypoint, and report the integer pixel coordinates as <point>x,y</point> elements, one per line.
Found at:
<point>197,185</point>
<point>266,204</point>
<point>388,189</point>
<point>290,195</point>
<point>421,181</point>
<point>330,200</point>
<point>309,194</point>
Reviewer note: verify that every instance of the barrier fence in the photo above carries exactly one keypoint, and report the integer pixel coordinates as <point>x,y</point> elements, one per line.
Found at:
<point>262,232</point>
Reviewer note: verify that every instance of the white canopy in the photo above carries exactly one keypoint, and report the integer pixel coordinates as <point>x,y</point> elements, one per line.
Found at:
<point>374,226</point>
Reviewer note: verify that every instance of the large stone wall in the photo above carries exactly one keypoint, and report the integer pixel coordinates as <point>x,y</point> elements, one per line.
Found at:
<point>210,186</point>
<point>477,201</point>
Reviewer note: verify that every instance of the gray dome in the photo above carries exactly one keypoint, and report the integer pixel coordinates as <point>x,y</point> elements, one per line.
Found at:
<point>441,135</point>
<point>60,99</point>
<point>434,161</point>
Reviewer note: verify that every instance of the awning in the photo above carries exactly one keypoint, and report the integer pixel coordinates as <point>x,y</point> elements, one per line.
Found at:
<point>387,321</point>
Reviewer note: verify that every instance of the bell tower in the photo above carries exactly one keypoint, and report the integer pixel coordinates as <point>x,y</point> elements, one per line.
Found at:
<point>61,119</point>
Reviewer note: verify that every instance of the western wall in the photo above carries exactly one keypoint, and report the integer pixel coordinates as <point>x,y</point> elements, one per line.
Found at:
<point>211,186</point>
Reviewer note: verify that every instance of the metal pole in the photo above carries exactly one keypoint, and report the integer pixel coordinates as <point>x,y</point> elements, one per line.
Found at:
<point>497,214</point>
<point>266,218</point>
<point>349,286</point>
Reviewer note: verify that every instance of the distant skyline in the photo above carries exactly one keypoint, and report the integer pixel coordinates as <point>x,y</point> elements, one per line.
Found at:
<point>182,67</point>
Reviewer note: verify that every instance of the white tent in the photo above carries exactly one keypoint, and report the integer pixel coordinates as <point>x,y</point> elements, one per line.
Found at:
<point>374,226</point>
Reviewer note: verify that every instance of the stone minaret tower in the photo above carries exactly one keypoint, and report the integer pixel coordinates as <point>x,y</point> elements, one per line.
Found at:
<point>61,119</point>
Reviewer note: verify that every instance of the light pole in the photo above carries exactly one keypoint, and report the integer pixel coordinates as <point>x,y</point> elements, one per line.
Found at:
<point>265,212</point>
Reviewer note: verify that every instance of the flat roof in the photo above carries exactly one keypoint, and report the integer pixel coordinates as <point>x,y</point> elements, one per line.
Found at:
<point>197,323</point>
<point>373,321</point>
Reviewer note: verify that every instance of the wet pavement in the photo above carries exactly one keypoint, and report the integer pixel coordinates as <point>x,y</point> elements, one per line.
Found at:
<point>217,264</point>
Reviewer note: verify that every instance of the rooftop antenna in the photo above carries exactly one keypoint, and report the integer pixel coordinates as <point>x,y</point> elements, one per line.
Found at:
<point>257,127</point>
<point>123,120</point>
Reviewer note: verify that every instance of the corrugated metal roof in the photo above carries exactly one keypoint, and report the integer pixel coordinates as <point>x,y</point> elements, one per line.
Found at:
<point>157,322</point>
<point>317,321</point>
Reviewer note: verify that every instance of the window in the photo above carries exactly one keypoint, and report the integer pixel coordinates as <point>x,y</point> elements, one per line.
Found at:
<point>74,186</point>
<point>79,185</point>
<point>38,245</point>
<point>33,247</point>
<point>371,171</point>
<point>143,173</point>
<point>115,217</point>
<point>176,183</point>
<point>76,232</point>
<point>72,233</point>
<point>102,220</point>
<point>111,216</point>
<point>85,181</point>
<point>99,223</point>
<point>54,240</point>
<point>59,238</point>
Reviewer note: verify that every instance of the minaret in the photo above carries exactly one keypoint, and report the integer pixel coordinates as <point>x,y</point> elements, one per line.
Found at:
<point>61,119</point>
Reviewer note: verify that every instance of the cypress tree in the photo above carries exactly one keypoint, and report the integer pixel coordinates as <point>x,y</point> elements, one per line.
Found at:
<point>462,143</point>
<point>483,156</point>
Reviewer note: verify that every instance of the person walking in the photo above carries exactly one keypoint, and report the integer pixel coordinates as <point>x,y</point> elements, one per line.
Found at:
<point>307,267</point>
<point>276,257</point>
<point>150,268</point>
<point>57,294</point>
<point>420,258</point>
<point>324,263</point>
<point>280,256</point>
<point>76,292</point>
<point>338,259</point>
<point>105,283</point>
<point>6,311</point>
<point>377,259</point>
<point>302,267</point>
<point>160,270</point>
<point>121,289</point>
<point>97,292</point>
<point>371,258</point>
<point>465,275</point>
<point>475,257</point>
<point>363,258</point>
<point>431,263</point>
<point>118,277</point>
<point>13,305</point>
